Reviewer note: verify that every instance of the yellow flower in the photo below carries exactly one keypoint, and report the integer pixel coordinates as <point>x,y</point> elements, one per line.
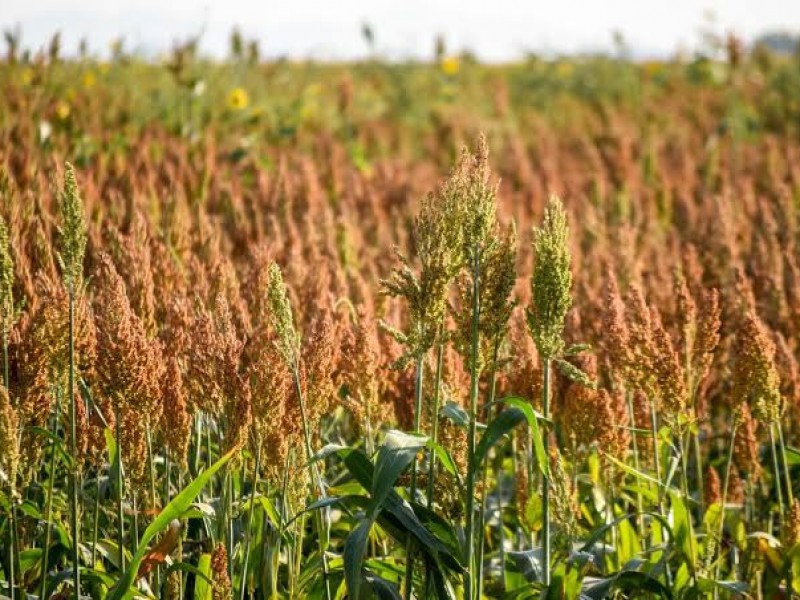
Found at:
<point>450,65</point>
<point>89,80</point>
<point>238,99</point>
<point>62,110</point>
<point>27,76</point>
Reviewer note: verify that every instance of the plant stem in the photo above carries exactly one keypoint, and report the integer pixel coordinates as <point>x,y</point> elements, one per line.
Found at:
<point>120,491</point>
<point>725,482</point>
<point>776,467</point>
<point>250,521</point>
<point>315,477</point>
<point>490,411</point>
<point>12,544</point>
<point>472,470</point>
<point>413,489</point>
<point>437,384</point>
<point>786,473</point>
<point>546,533</point>
<point>73,430</point>
<point>96,524</point>
<point>637,466</point>
<point>50,483</point>
<point>698,466</point>
<point>153,497</point>
<point>284,518</point>
<point>685,486</point>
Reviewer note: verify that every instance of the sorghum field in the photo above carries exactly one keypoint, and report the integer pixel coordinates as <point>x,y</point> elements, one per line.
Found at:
<point>278,329</point>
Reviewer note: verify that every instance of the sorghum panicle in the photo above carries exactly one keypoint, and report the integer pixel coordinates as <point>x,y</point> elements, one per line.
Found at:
<point>551,282</point>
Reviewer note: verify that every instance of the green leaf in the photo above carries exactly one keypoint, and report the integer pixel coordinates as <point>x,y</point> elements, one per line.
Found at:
<point>354,547</point>
<point>536,434</point>
<point>397,515</point>
<point>383,589</point>
<point>202,585</point>
<point>625,581</point>
<point>504,422</point>
<point>394,456</point>
<point>529,563</point>
<point>173,510</point>
<point>682,529</point>
<point>456,413</point>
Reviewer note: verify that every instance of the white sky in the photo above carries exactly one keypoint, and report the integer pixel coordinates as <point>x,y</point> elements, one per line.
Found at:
<point>494,29</point>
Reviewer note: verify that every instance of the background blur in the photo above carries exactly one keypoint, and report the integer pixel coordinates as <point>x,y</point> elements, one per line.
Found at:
<point>497,30</point>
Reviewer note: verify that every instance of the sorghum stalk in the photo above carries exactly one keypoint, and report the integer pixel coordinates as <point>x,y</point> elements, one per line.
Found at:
<point>545,476</point>
<point>776,467</point>
<point>490,410</point>
<point>636,465</point>
<point>288,344</point>
<point>284,518</point>
<point>787,474</point>
<point>153,497</point>
<point>315,477</point>
<point>120,490</point>
<point>472,468</point>
<point>725,483</point>
<point>551,285</point>
<point>96,515</point>
<point>249,534</point>
<point>73,428</point>
<point>685,489</point>
<point>420,368</point>
<point>50,483</point>
<point>71,259</point>
<point>437,386</point>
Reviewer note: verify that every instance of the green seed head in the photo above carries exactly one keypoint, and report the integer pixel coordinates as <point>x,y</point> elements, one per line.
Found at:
<point>73,231</point>
<point>281,315</point>
<point>551,281</point>
<point>6,278</point>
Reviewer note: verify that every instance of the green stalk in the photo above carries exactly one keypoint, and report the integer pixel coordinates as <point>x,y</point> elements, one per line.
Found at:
<point>698,465</point>
<point>315,477</point>
<point>96,514</point>
<point>437,385</point>
<point>135,537</point>
<point>776,467</point>
<point>50,482</point>
<point>73,430</point>
<point>490,410</point>
<point>787,475</point>
<point>789,496</point>
<point>413,490</point>
<point>12,544</point>
<point>250,522</point>
<point>725,483</point>
<point>120,492</point>
<point>284,519</point>
<point>546,533</point>
<point>180,544</point>
<point>472,439</point>
<point>685,486</point>
<point>153,497</point>
<point>637,466</point>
